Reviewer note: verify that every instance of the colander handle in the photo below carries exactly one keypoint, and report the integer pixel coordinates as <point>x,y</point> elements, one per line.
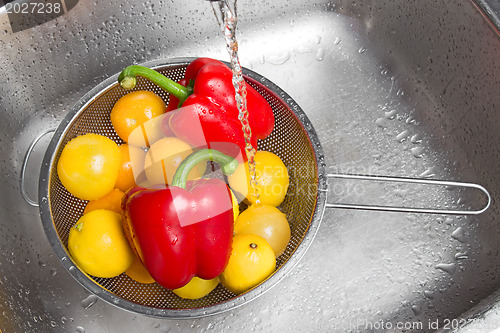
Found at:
<point>419,181</point>
<point>22,182</point>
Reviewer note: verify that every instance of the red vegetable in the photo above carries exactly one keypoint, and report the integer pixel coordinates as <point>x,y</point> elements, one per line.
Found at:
<point>173,102</point>
<point>185,229</point>
<point>210,102</point>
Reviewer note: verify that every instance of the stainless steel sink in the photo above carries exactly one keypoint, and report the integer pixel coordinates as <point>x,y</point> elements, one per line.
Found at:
<point>402,88</point>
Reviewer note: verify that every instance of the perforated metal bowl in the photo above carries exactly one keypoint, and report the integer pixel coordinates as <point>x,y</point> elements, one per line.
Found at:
<point>293,140</point>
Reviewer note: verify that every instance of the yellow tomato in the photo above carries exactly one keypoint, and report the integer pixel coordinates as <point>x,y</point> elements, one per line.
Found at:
<point>111,201</point>
<point>236,206</point>
<point>131,157</point>
<point>133,110</point>
<point>138,272</point>
<point>267,222</point>
<point>98,245</point>
<point>163,158</point>
<point>88,166</point>
<point>128,230</point>
<point>197,288</point>
<point>251,261</point>
<point>272,179</point>
<point>148,133</point>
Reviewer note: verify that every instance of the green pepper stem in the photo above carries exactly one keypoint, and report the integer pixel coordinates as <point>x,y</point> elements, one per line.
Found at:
<point>128,80</point>
<point>227,163</point>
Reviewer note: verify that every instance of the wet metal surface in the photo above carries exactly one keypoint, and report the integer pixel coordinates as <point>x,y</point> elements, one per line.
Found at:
<point>393,88</point>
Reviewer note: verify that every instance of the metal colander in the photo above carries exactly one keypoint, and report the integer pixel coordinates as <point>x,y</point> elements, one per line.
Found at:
<point>293,140</point>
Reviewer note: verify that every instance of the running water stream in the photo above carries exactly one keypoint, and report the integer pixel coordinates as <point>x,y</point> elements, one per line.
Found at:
<point>225,11</point>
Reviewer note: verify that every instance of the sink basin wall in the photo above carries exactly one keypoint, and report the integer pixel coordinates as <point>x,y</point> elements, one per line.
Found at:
<point>403,89</point>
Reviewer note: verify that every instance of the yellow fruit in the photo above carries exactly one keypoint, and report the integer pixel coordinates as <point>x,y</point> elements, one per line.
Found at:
<point>138,272</point>
<point>133,110</point>
<point>197,288</point>
<point>267,222</point>
<point>111,201</point>
<point>272,179</point>
<point>88,166</point>
<point>148,133</point>
<point>98,245</point>
<point>236,206</point>
<point>163,158</point>
<point>131,158</point>
<point>251,261</point>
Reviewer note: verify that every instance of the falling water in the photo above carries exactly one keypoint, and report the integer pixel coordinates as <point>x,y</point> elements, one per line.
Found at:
<point>225,11</point>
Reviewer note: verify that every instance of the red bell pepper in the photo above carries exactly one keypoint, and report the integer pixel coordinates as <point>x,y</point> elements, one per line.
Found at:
<point>207,96</point>
<point>185,229</point>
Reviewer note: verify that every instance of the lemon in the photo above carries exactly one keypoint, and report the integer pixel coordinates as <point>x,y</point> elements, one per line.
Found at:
<point>98,245</point>
<point>197,288</point>
<point>251,261</point>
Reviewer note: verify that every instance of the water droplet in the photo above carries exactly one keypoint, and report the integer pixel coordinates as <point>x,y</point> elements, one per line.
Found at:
<point>362,50</point>
<point>317,39</point>
<point>304,49</point>
<point>279,59</point>
<point>380,122</point>
<point>417,152</point>
<point>80,329</point>
<point>89,301</point>
<point>459,235</point>
<point>320,54</point>
<point>429,294</point>
<point>384,71</point>
<point>448,268</point>
<point>337,40</point>
<point>416,138</point>
<point>461,255</point>
<point>416,310</point>
<point>401,137</point>
<point>410,120</point>
<point>427,173</point>
<point>391,114</point>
